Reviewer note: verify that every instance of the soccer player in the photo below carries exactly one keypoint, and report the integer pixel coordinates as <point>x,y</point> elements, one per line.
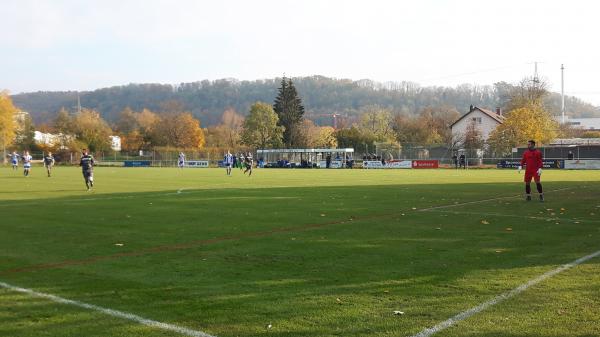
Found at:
<point>26,163</point>
<point>49,162</point>
<point>87,168</point>
<point>228,161</point>
<point>181,161</point>
<point>242,161</point>
<point>248,164</point>
<point>14,160</point>
<point>532,160</point>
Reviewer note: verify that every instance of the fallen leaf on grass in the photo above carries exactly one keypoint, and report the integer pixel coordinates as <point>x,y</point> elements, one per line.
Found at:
<point>508,229</point>
<point>485,222</point>
<point>498,251</point>
<point>322,214</point>
<point>119,244</point>
<point>338,300</point>
<point>398,312</point>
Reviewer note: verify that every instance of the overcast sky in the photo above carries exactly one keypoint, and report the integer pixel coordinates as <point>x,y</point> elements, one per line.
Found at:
<point>83,45</point>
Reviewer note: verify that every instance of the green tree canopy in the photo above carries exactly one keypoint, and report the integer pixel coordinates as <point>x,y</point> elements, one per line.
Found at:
<point>261,129</point>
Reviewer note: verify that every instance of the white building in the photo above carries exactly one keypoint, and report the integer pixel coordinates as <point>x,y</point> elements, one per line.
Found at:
<point>588,124</point>
<point>485,121</point>
<point>115,143</point>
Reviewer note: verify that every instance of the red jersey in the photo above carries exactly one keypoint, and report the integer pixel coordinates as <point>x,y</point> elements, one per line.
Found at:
<point>532,160</point>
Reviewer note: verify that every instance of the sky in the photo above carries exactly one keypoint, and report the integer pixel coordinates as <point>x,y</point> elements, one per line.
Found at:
<point>85,45</point>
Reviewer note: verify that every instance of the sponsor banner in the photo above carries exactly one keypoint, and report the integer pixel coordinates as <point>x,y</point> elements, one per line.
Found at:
<point>425,164</point>
<point>547,163</point>
<point>392,164</point>
<point>582,164</point>
<point>333,164</point>
<point>399,164</point>
<point>373,164</point>
<point>197,163</point>
<point>137,163</point>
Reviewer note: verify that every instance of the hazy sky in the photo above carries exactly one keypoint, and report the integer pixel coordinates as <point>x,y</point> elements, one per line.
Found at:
<point>82,45</point>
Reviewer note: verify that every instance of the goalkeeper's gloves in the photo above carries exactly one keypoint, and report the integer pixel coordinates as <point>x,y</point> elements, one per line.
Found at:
<point>539,172</point>
<point>520,168</point>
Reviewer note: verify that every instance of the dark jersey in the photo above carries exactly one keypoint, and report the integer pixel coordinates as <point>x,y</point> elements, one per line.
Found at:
<point>48,160</point>
<point>87,162</point>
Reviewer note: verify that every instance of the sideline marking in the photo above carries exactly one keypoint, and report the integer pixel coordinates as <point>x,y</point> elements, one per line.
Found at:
<point>516,216</point>
<point>110,312</point>
<point>502,297</point>
<point>492,199</point>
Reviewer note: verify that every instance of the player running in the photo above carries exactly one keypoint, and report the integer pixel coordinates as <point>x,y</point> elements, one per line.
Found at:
<point>49,162</point>
<point>249,163</point>
<point>532,160</point>
<point>14,160</point>
<point>181,160</point>
<point>26,163</point>
<point>87,168</point>
<point>228,161</point>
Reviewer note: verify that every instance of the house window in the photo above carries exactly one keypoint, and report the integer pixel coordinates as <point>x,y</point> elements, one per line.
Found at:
<point>476,120</point>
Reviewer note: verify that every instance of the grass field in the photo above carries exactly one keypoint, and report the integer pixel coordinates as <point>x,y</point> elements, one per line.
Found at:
<point>310,252</point>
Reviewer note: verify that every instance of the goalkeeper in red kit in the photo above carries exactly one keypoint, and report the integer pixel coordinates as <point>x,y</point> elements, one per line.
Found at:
<point>532,160</point>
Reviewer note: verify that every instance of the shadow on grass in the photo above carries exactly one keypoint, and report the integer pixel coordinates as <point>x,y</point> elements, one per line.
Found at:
<point>317,261</point>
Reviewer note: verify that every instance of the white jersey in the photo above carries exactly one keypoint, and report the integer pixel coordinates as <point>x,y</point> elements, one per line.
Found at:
<point>228,159</point>
<point>27,161</point>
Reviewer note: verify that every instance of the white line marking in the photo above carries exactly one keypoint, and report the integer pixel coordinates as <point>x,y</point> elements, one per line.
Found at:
<point>514,216</point>
<point>502,297</point>
<point>486,200</point>
<point>110,312</point>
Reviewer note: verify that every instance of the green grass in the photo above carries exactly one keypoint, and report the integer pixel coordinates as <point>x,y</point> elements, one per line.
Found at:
<point>312,252</point>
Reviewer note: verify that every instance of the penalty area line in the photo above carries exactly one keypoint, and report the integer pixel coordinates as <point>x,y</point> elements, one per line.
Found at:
<point>487,200</point>
<point>502,297</point>
<point>109,312</point>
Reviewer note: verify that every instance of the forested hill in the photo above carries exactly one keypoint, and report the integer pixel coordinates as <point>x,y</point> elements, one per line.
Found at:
<point>321,96</point>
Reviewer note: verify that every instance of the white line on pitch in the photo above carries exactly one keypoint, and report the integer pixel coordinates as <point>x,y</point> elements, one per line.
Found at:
<point>502,297</point>
<point>110,312</point>
<point>513,216</point>
<point>486,200</point>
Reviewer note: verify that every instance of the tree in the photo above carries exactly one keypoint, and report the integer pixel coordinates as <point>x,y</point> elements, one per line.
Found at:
<point>472,139</point>
<point>147,121</point>
<point>7,121</point>
<point>261,129</point>
<point>521,125</point>
<point>354,138</point>
<point>180,130</point>
<point>378,122</point>
<point>127,121</point>
<point>25,133</point>
<point>90,129</point>
<point>326,138</point>
<point>290,111</point>
<point>231,127</point>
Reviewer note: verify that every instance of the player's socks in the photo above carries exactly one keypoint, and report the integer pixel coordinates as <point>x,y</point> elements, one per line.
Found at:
<point>539,188</point>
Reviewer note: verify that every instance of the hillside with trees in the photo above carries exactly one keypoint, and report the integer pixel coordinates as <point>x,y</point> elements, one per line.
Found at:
<point>321,97</point>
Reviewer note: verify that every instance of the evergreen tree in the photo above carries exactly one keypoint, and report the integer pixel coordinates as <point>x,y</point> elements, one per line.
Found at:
<point>288,107</point>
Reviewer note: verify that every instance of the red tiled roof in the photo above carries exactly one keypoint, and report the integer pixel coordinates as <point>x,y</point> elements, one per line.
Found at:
<point>498,118</point>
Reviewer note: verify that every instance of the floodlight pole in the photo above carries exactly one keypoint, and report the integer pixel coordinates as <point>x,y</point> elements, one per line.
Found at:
<point>562,91</point>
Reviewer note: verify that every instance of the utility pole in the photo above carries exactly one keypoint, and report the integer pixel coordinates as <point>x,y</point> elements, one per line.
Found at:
<point>562,91</point>
<point>78,104</point>
<point>536,79</point>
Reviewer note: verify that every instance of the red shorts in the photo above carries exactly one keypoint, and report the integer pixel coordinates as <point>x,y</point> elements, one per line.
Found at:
<point>532,175</point>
